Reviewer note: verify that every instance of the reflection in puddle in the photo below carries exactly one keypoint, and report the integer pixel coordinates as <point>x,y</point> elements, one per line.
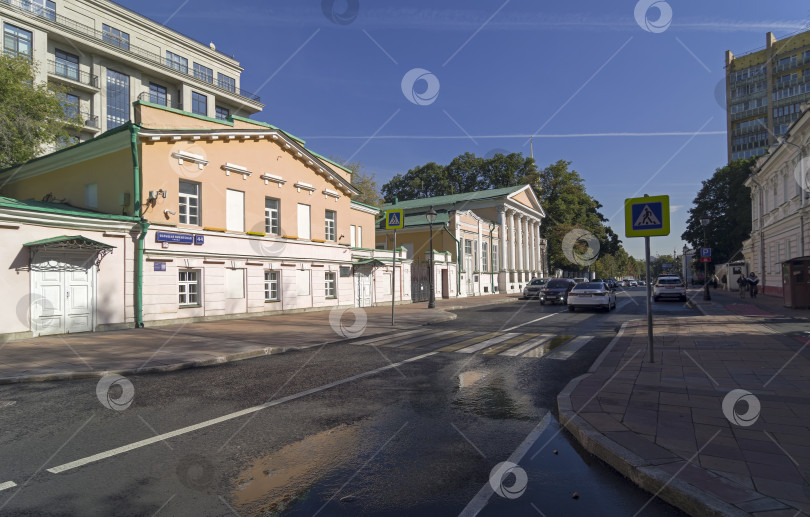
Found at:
<point>467,379</point>
<point>491,400</point>
<point>280,479</point>
<point>548,346</point>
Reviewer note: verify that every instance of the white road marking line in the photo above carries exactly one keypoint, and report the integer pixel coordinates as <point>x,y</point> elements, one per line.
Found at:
<point>419,338</point>
<point>489,342</point>
<point>7,485</point>
<point>534,343</point>
<point>570,348</point>
<point>225,418</point>
<point>482,497</point>
<point>386,336</point>
<point>533,321</point>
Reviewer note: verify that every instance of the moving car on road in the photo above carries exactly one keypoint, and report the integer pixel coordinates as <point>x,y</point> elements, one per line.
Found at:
<point>669,286</point>
<point>556,290</point>
<point>532,289</point>
<point>592,294</point>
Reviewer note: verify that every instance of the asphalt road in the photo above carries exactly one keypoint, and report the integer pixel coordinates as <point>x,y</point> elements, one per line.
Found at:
<point>411,423</point>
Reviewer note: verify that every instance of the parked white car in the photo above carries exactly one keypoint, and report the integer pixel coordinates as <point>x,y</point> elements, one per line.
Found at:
<point>669,286</point>
<point>592,294</point>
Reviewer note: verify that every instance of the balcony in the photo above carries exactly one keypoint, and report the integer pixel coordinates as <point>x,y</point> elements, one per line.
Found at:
<point>164,100</point>
<point>73,75</point>
<point>26,8</point>
<point>748,113</point>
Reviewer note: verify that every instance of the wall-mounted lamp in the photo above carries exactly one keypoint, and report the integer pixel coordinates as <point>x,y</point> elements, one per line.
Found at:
<point>168,212</point>
<point>153,196</point>
<point>341,236</point>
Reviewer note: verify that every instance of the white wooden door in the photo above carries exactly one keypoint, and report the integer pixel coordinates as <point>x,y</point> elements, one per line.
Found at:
<point>235,210</point>
<point>362,288</point>
<point>62,293</point>
<point>469,266</point>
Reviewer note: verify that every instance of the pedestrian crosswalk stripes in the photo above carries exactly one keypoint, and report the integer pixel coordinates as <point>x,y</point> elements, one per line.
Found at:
<point>508,344</point>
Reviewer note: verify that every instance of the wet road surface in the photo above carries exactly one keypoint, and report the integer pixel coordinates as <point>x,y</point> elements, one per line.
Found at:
<point>411,423</point>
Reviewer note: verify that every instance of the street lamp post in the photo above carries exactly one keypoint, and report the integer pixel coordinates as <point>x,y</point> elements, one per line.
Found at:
<point>431,217</point>
<point>704,221</point>
<point>684,265</point>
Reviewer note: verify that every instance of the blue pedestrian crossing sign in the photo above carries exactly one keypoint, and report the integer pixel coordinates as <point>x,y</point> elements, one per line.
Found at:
<point>394,219</point>
<point>646,216</point>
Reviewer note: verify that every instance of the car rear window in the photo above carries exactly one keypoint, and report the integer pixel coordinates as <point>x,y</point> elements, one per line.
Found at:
<point>669,281</point>
<point>590,285</point>
<point>557,284</point>
<point>537,281</point>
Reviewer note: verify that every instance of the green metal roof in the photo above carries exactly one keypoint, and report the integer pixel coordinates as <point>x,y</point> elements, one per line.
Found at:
<point>123,127</point>
<point>60,208</point>
<point>69,242</point>
<point>454,198</point>
<point>365,205</point>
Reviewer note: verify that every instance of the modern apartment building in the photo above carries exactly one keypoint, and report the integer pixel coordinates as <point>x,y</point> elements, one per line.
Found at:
<point>108,57</point>
<point>764,92</point>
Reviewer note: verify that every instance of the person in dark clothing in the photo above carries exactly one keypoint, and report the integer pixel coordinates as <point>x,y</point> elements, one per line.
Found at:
<point>742,283</point>
<point>753,280</point>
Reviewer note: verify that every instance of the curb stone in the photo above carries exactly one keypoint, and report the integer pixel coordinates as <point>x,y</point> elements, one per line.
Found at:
<point>645,473</point>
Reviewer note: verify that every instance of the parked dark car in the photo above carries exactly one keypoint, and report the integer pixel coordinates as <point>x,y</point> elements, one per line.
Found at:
<point>556,290</point>
<point>532,289</point>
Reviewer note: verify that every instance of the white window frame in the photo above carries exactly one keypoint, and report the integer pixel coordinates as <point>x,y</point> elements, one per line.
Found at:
<point>271,283</point>
<point>352,236</point>
<point>185,295</point>
<point>495,257</point>
<point>270,213</point>
<point>485,257</point>
<point>359,240</point>
<point>330,285</point>
<point>184,201</point>
<point>330,225</point>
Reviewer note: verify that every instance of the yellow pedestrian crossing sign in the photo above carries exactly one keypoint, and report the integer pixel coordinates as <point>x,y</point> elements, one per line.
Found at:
<point>646,216</point>
<point>394,219</point>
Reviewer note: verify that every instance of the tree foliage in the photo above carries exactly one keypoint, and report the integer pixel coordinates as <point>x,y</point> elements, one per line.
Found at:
<point>727,202</point>
<point>364,180</point>
<point>32,115</point>
<point>561,191</point>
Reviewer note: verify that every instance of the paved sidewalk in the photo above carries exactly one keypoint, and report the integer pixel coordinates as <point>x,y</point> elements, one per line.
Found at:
<point>673,427</point>
<point>172,347</point>
<point>762,306</point>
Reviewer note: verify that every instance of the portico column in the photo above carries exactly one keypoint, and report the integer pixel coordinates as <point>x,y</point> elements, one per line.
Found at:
<point>533,248</point>
<point>519,247</point>
<point>502,252</point>
<point>535,233</point>
<point>524,225</point>
<point>512,235</point>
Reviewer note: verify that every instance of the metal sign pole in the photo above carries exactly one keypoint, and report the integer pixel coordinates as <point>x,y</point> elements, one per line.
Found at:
<point>393,279</point>
<point>649,299</point>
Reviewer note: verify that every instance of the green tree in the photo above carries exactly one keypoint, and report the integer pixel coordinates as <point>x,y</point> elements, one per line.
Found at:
<point>561,191</point>
<point>32,115</point>
<point>365,181</point>
<point>727,202</point>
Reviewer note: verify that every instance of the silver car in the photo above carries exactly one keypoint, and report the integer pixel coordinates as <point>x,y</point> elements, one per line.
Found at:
<point>532,289</point>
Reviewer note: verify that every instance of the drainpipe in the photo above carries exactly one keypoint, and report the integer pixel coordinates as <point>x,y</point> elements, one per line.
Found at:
<point>458,259</point>
<point>136,177</point>
<point>761,236</point>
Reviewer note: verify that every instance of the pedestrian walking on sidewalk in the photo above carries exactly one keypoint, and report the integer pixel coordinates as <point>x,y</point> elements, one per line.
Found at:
<point>742,283</point>
<point>714,281</point>
<point>724,281</point>
<point>753,280</point>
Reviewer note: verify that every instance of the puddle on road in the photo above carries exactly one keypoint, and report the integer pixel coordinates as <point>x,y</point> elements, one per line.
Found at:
<point>278,480</point>
<point>489,397</point>
<point>548,346</point>
<point>467,379</point>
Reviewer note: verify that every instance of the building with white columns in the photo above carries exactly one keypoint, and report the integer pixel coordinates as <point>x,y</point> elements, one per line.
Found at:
<point>492,238</point>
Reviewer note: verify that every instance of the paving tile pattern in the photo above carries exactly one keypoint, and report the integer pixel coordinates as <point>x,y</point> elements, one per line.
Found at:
<point>670,412</point>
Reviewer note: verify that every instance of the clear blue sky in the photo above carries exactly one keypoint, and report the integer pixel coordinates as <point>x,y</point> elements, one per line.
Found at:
<point>634,110</point>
